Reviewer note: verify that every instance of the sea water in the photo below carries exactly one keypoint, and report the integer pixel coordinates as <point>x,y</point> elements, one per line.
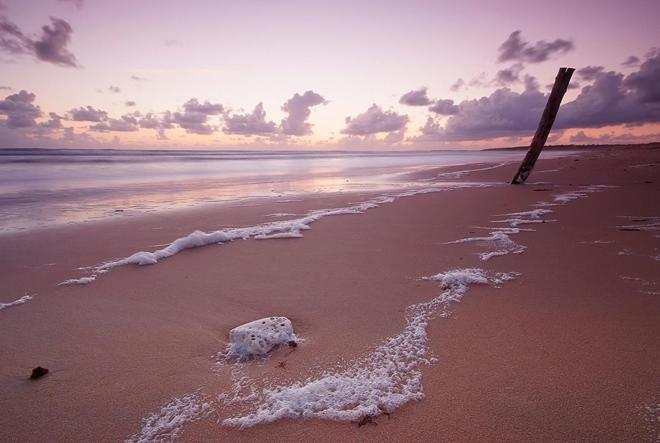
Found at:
<point>41,188</point>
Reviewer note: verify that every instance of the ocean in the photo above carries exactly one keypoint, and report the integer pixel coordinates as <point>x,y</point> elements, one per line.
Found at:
<point>41,188</point>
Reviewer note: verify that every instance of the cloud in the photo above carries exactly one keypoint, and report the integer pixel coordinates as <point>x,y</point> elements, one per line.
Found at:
<point>171,43</point>
<point>395,136</point>
<point>114,89</point>
<point>417,97</point>
<point>194,118</point>
<point>19,110</point>
<point>54,122</point>
<point>631,61</point>
<point>444,107</point>
<point>250,124</point>
<point>645,83</point>
<point>126,123</point>
<point>87,114</point>
<point>503,113</point>
<point>531,83</point>
<point>77,3</point>
<point>138,78</point>
<point>129,103</point>
<point>12,39</point>
<point>610,138</point>
<point>515,48</point>
<point>193,105</point>
<point>615,99</point>
<point>611,99</point>
<point>457,85</point>
<point>298,110</point>
<point>50,47</point>
<point>509,75</point>
<point>373,121</point>
<point>160,124</point>
<point>590,73</point>
<point>6,88</point>
<point>503,77</point>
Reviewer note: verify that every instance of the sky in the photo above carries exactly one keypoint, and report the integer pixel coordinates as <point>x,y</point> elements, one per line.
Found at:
<point>393,75</point>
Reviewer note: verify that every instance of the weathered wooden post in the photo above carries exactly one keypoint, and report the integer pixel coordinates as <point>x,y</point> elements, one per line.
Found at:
<point>545,125</point>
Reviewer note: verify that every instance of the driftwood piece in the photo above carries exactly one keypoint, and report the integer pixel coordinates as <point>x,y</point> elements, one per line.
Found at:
<point>545,125</point>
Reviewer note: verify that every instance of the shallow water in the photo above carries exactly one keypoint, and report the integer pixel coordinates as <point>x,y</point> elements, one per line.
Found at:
<point>46,187</point>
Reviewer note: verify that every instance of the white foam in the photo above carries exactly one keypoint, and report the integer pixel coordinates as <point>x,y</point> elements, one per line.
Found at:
<point>78,281</point>
<point>20,301</point>
<point>291,228</point>
<point>166,424</point>
<point>525,217</point>
<point>644,286</point>
<point>461,173</point>
<point>382,381</point>
<point>260,336</point>
<point>280,214</point>
<point>566,197</point>
<point>498,241</point>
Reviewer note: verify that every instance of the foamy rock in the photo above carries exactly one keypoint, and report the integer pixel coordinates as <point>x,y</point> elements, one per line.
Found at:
<point>260,336</point>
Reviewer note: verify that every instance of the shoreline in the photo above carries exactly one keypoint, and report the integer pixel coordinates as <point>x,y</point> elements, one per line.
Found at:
<point>139,310</point>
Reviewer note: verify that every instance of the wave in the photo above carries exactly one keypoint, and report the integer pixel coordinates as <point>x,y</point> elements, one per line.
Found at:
<point>292,228</point>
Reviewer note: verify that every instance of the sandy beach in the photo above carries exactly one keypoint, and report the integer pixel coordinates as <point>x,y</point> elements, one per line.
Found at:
<point>552,334</point>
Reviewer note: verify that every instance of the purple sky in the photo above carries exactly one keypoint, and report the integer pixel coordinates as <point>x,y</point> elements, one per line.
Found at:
<point>323,75</point>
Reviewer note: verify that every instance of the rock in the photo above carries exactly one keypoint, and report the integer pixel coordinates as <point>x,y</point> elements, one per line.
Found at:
<point>260,336</point>
<point>38,372</point>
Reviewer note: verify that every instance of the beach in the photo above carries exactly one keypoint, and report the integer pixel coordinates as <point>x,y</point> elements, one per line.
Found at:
<point>461,308</point>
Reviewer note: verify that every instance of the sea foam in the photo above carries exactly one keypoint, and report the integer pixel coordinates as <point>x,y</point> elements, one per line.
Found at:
<point>499,240</point>
<point>20,301</point>
<point>167,424</point>
<point>292,228</point>
<point>378,383</point>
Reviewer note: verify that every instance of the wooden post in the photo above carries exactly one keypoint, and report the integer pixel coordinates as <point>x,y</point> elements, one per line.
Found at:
<point>547,119</point>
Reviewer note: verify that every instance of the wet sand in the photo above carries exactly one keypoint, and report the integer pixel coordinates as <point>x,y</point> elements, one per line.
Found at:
<point>567,351</point>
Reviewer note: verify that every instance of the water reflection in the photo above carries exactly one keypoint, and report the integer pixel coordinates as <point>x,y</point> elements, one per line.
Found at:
<point>40,188</point>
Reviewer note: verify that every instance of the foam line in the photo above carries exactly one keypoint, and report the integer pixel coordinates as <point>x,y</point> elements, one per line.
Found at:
<point>499,239</point>
<point>292,228</point>
<point>566,197</point>
<point>167,424</point>
<point>20,301</point>
<point>381,382</point>
<point>524,218</point>
<point>458,174</point>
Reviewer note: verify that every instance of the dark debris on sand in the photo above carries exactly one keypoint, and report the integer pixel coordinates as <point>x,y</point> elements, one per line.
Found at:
<point>38,372</point>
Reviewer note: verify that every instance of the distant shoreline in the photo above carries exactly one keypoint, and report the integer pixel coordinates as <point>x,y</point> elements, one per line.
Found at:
<point>7,151</point>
